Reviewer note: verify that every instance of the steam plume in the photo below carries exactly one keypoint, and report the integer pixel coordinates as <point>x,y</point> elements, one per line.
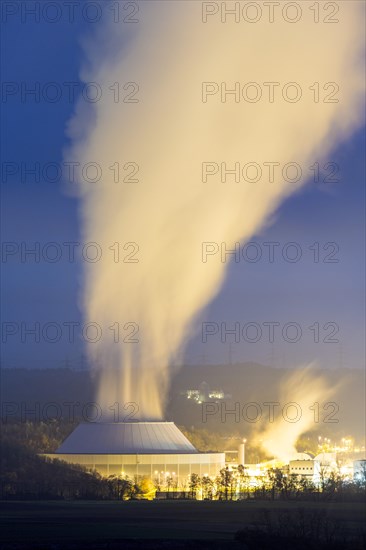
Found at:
<point>302,400</point>
<point>169,133</point>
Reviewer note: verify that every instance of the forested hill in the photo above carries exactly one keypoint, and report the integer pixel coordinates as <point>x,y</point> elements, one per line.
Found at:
<point>25,390</point>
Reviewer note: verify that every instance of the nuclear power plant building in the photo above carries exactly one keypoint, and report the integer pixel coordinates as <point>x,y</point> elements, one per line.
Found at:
<point>150,449</point>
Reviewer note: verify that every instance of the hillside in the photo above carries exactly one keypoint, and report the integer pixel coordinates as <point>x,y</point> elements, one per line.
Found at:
<point>46,392</point>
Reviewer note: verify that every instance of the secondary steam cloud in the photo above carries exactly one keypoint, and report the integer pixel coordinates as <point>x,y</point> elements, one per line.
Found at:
<point>169,132</point>
<point>302,393</point>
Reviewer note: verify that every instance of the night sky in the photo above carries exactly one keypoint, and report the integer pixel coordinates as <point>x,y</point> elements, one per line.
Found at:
<point>304,292</point>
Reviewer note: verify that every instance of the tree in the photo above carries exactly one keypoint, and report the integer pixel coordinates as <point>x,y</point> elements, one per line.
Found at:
<point>243,478</point>
<point>226,482</point>
<point>207,487</point>
<point>194,484</point>
<point>126,488</point>
<point>278,482</point>
<point>146,488</point>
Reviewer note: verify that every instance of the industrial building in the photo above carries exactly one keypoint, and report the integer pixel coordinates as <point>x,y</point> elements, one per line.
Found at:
<point>307,469</point>
<point>155,450</point>
<point>316,469</point>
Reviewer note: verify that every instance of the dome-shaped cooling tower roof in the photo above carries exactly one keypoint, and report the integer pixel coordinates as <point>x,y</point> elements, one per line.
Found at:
<point>126,438</point>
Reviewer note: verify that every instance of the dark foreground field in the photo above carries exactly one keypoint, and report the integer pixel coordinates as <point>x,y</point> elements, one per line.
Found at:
<point>56,525</point>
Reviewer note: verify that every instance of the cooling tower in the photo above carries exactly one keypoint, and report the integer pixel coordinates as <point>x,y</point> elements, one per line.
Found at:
<point>150,449</point>
<point>126,438</point>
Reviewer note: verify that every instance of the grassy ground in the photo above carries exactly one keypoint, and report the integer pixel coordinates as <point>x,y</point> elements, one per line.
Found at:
<point>89,524</point>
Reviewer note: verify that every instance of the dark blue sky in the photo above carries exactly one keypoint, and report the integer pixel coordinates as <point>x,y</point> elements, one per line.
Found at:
<point>305,292</point>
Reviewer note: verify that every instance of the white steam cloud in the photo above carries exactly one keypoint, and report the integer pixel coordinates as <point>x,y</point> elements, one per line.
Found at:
<point>302,399</point>
<point>169,212</point>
